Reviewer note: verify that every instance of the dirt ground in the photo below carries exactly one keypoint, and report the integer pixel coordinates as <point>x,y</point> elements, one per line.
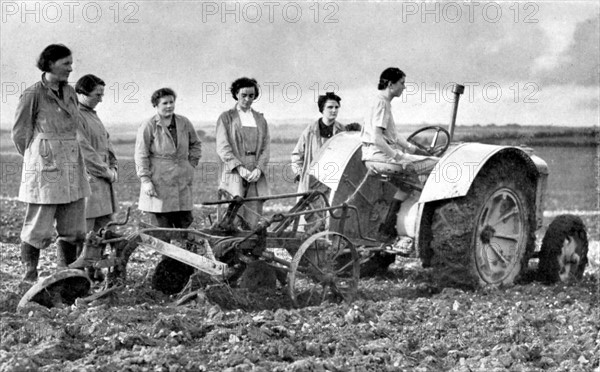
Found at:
<point>401,321</point>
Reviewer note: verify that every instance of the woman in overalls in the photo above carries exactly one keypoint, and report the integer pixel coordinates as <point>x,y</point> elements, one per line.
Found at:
<point>243,146</point>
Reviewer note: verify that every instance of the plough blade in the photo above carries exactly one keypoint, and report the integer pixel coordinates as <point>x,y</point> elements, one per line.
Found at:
<point>206,265</point>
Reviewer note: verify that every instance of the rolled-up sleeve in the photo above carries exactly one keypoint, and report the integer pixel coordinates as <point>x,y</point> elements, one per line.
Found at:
<point>22,131</point>
<point>224,149</point>
<point>143,142</point>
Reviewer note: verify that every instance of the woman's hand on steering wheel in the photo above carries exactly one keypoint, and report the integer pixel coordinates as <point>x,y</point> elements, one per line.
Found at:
<point>436,149</point>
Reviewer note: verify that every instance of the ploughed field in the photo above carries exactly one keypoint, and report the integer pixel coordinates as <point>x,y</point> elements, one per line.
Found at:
<point>401,320</point>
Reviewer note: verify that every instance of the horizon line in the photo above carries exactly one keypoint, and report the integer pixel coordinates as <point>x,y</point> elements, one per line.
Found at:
<point>295,121</point>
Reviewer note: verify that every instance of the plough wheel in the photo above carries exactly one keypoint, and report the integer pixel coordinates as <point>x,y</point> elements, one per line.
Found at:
<point>326,267</point>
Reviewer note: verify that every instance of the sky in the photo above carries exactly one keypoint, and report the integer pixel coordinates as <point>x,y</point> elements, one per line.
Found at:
<point>530,63</point>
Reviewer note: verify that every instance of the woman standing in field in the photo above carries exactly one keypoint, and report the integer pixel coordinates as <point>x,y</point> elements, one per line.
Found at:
<point>102,203</point>
<point>314,136</point>
<point>167,150</point>
<point>310,142</point>
<point>54,180</point>
<point>243,146</point>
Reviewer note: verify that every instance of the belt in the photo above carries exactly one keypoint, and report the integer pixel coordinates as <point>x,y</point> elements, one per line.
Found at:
<point>55,136</point>
<point>250,152</point>
<point>167,157</point>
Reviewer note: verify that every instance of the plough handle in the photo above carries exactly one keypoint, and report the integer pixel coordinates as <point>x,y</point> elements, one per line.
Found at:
<point>117,223</point>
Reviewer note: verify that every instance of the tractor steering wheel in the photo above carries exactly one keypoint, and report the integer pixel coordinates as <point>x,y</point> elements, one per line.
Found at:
<point>433,149</point>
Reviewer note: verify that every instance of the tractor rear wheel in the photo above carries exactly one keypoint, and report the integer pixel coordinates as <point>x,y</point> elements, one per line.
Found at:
<point>486,237</point>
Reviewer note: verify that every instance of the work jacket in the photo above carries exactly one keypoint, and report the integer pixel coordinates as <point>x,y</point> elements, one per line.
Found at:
<point>45,133</point>
<point>103,200</point>
<point>309,144</point>
<point>230,148</point>
<point>170,168</point>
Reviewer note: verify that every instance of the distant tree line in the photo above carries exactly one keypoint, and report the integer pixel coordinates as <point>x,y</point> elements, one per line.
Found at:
<point>510,134</point>
<point>589,136</point>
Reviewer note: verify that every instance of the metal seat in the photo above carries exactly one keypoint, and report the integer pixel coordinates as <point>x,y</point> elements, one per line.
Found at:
<point>403,174</point>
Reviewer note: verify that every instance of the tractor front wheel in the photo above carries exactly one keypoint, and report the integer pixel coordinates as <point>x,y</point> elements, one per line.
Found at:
<point>563,256</point>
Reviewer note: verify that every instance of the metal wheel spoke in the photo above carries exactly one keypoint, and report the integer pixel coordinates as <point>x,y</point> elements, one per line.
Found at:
<point>344,250</point>
<point>498,254</point>
<point>511,237</point>
<point>311,291</point>
<point>315,279</point>
<point>505,216</point>
<point>344,268</point>
<point>485,261</point>
<point>486,213</point>
<point>495,210</point>
<point>317,246</point>
<point>323,294</point>
<point>336,248</point>
<point>315,266</point>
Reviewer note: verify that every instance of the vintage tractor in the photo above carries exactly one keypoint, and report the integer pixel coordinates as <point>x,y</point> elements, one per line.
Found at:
<point>473,218</point>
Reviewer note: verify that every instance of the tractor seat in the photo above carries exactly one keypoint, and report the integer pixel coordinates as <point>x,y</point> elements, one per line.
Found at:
<point>403,173</point>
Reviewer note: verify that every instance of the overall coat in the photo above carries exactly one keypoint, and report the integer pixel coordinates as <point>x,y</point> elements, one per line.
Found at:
<point>230,148</point>
<point>103,200</point>
<point>48,134</point>
<point>309,144</point>
<point>169,167</point>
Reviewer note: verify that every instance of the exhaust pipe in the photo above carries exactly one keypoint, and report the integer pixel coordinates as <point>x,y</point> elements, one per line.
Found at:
<point>457,90</point>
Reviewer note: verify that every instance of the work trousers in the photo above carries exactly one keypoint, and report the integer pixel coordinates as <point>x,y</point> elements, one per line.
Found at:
<point>41,220</point>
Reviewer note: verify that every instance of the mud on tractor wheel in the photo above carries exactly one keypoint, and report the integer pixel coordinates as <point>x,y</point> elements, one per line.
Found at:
<point>486,237</point>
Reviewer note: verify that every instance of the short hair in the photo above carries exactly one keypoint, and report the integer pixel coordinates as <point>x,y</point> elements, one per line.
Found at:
<point>244,82</point>
<point>329,96</point>
<point>87,83</point>
<point>160,93</point>
<point>51,54</point>
<point>390,75</point>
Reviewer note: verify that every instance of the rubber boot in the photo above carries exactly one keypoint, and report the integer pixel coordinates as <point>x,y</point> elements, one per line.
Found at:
<point>66,253</point>
<point>30,257</point>
<point>388,228</point>
<point>89,256</point>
